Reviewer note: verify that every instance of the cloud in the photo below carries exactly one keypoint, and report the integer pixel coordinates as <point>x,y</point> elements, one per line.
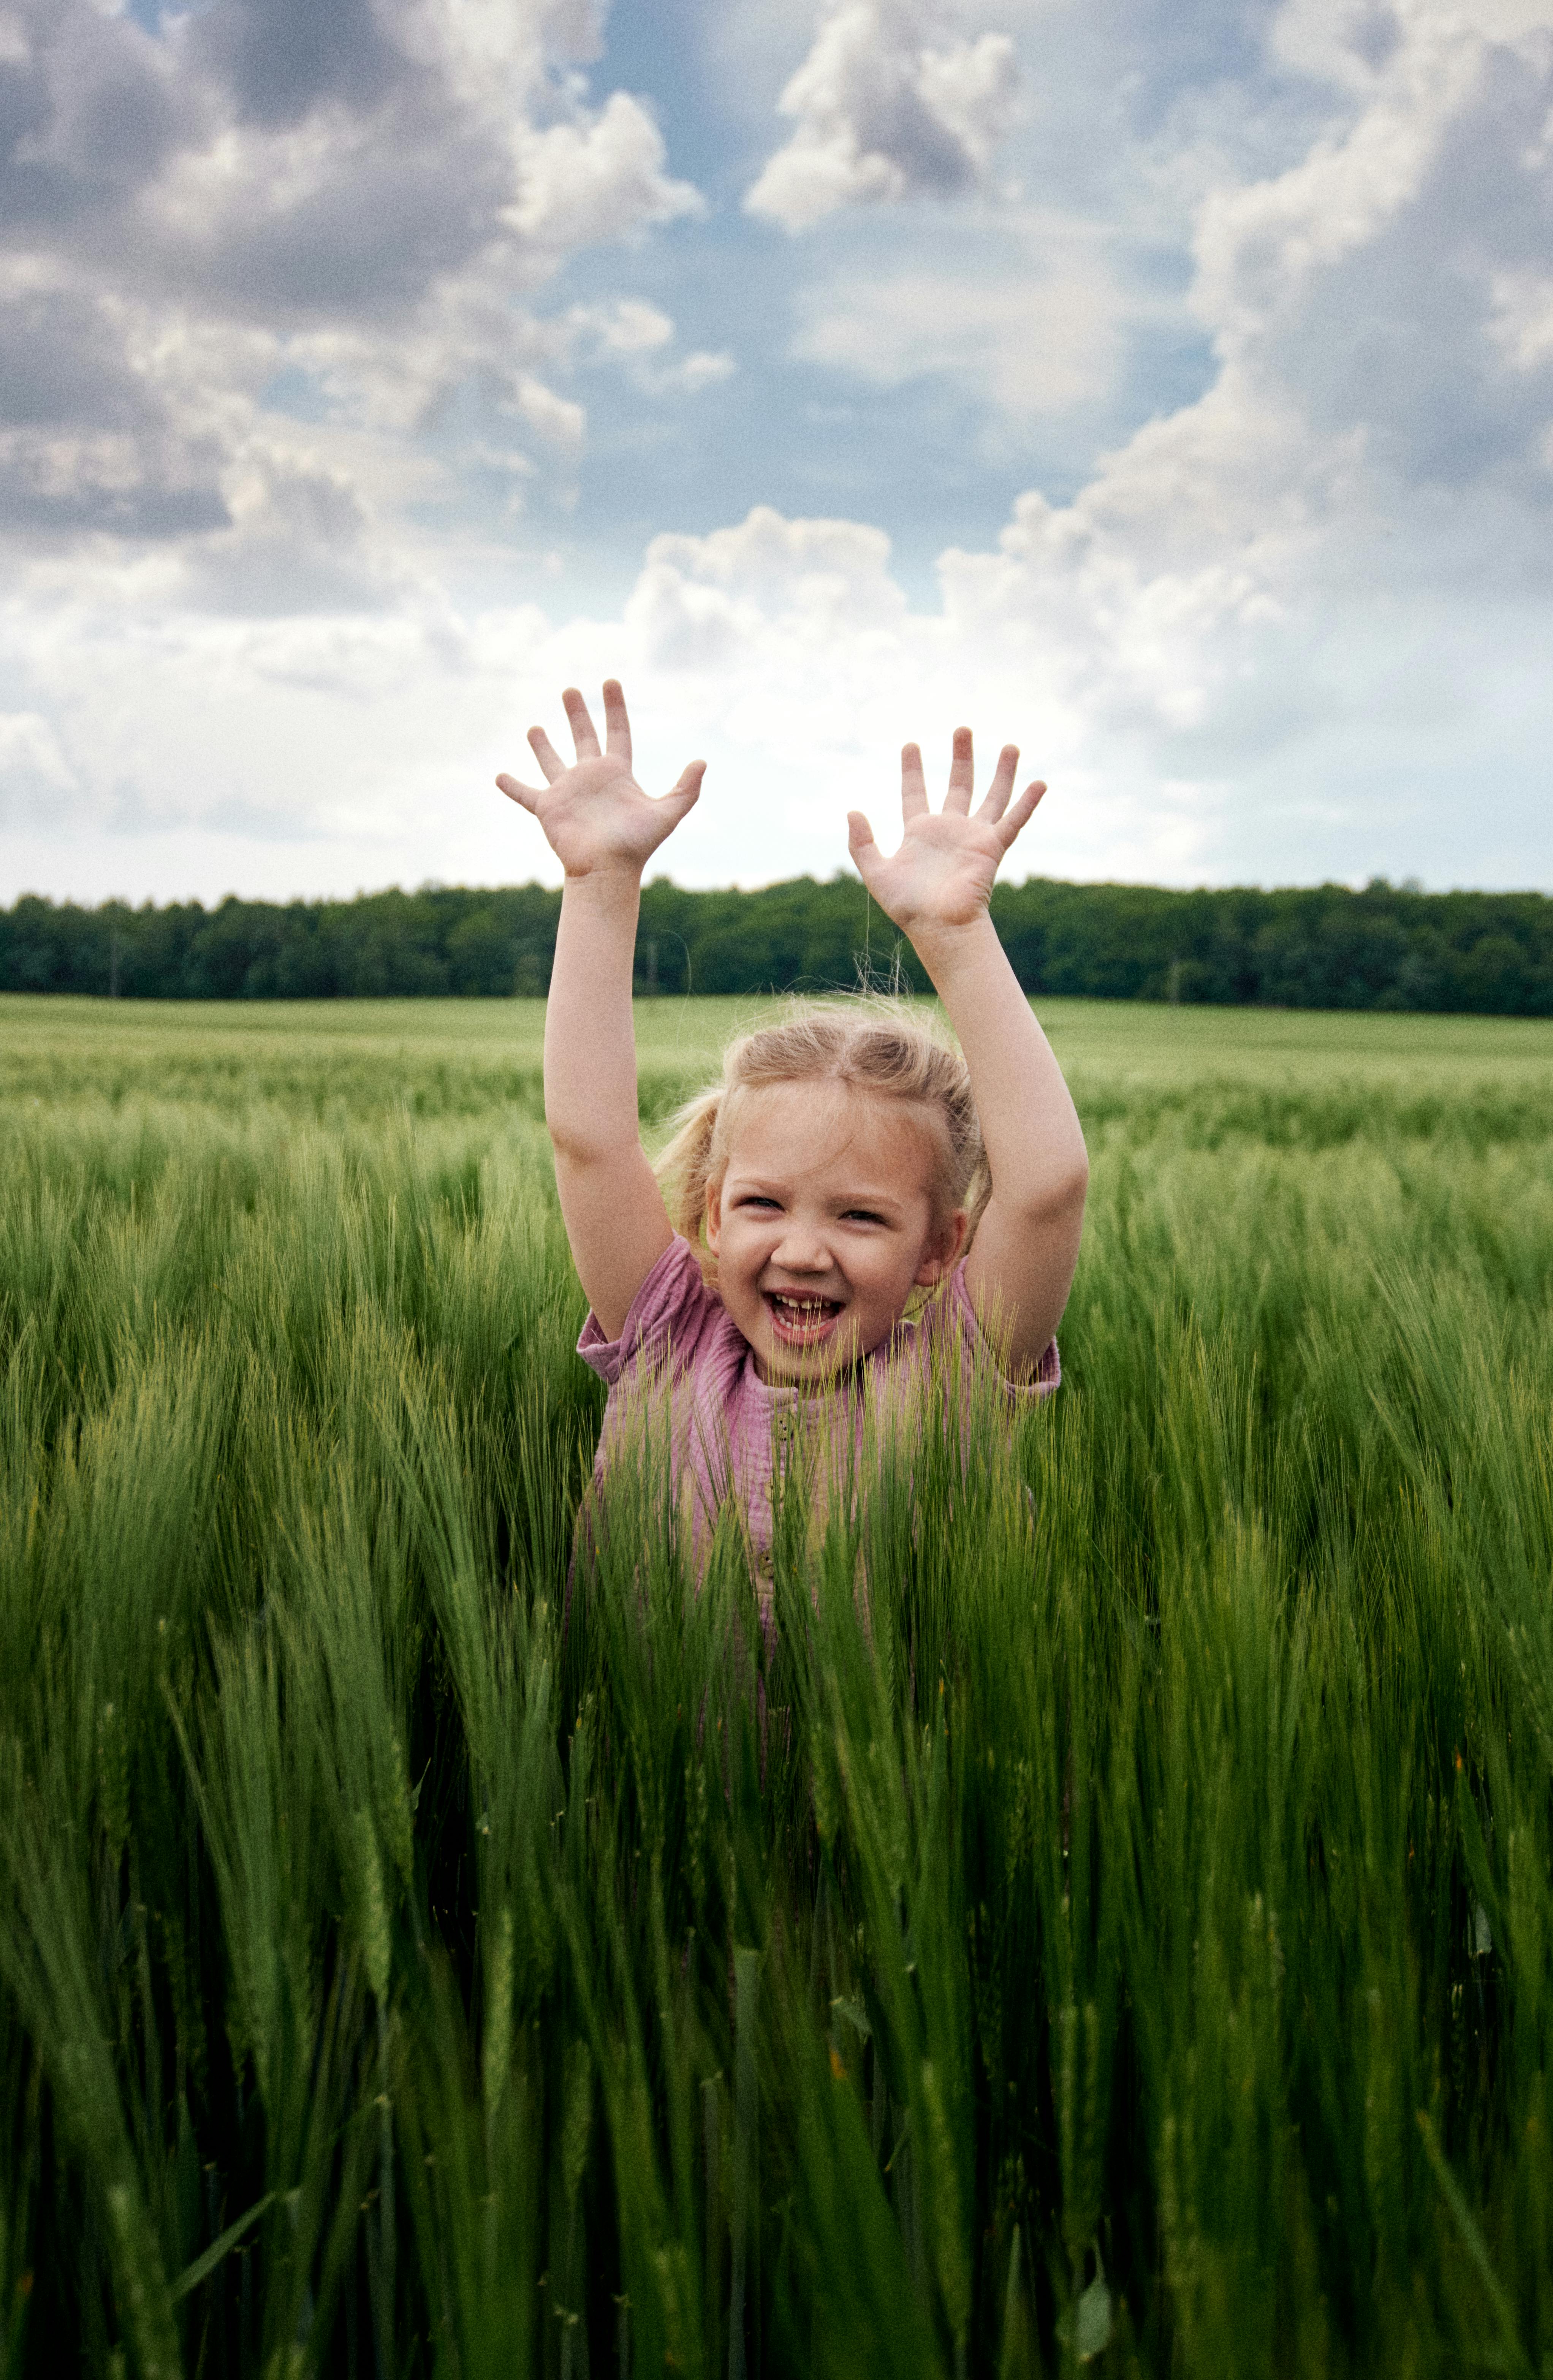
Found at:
<point>1387,286</point>
<point>1522,323</point>
<point>1031,322</point>
<point>805,585</point>
<point>889,104</point>
<point>87,439</point>
<point>364,196</point>
<point>283,60</point>
<point>636,335</point>
<point>592,180</point>
<point>702,368</point>
<point>299,541</point>
<point>34,772</point>
<point>1294,626</point>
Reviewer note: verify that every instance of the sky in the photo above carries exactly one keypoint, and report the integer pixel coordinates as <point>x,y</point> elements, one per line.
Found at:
<point>1167,390</point>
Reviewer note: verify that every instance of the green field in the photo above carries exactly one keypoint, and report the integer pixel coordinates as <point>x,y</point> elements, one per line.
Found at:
<point>1124,1937</point>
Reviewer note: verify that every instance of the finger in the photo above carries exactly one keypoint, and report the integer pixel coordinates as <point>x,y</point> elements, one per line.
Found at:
<point>528,797</point>
<point>688,793</point>
<point>546,755</point>
<point>1022,811</point>
<point>865,855</point>
<point>961,773</point>
<point>997,792</point>
<point>617,726</point>
<point>584,734</point>
<point>914,785</point>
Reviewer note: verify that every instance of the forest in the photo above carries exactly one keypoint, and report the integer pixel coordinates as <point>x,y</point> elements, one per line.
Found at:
<point>1323,946</point>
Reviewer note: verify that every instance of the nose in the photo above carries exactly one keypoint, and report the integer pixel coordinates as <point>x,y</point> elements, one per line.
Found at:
<point>801,1248</point>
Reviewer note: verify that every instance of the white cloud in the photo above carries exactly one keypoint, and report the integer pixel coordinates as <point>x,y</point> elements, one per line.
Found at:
<point>1032,324</point>
<point>703,368</point>
<point>591,180</point>
<point>629,327</point>
<point>636,335</point>
<point>889,104</point>
<point>34,772</point>
<point>555,418</point>
<point>798,587</point>
<point>1522,318</point>
<point>299,541</point>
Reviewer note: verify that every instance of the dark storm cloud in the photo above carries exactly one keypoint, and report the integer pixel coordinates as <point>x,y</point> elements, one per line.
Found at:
<point>362,247</point>
<point>262,167</point>
<point>281,59</point>
<point>87,498</point>
<point>97,110</point>
<point>62,366</point>
<point>88,112</point>
<point>84,442</point>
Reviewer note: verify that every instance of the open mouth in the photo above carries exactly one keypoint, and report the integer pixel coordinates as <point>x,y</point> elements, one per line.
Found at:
<point>799,1319</point>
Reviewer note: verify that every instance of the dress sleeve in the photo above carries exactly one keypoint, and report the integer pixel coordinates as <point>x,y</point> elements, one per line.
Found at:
<point>964,1320</point>
<point>671,1308</point>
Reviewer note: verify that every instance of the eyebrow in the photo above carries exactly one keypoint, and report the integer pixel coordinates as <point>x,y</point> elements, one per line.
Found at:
<point>765,1185</point>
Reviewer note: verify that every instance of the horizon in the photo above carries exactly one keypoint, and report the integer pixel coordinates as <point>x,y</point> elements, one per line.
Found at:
<point>1409,886</point>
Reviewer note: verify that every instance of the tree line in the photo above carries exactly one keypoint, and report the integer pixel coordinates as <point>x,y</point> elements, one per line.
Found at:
<point>1323,946</point>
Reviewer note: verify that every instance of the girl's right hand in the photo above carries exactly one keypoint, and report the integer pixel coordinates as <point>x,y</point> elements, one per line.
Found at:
<point>594,814</point>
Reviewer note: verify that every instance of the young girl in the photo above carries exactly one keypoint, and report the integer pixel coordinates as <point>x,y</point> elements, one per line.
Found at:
<point>846,1164</point>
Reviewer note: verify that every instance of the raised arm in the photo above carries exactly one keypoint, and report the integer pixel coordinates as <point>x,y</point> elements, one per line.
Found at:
<point>936,888</point>
<point>603,829</point>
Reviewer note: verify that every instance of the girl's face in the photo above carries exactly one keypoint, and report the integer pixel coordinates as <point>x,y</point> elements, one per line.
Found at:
<point>822,1225</point>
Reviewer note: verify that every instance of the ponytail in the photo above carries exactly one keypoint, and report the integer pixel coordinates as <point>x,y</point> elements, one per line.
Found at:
<point>683,1166</point>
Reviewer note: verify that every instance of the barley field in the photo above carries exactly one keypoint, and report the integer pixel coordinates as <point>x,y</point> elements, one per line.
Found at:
<point>1123,1937</point>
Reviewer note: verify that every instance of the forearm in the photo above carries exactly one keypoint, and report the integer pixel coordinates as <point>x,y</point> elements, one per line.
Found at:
<point>590,1050</point>
<point>1030,1128</point>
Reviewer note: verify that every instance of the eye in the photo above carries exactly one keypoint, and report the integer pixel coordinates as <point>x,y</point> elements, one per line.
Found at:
<point>755,1199</point>
<point>861,1215</point>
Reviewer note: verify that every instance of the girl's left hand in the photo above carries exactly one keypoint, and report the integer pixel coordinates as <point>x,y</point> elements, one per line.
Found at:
<point>942,875</point>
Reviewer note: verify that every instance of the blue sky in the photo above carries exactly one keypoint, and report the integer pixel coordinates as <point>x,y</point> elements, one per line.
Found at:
<point>1169,391</point>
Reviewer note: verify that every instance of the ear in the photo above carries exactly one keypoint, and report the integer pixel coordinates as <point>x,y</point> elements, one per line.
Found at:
<point>942,1253</point>
<point>714,1215</point>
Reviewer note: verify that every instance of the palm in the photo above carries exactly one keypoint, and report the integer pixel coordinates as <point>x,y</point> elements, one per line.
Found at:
<point>594,814</point>
<point>944,872</point>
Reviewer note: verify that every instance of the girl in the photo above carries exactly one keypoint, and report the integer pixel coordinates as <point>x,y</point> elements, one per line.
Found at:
<point>846,1163</point>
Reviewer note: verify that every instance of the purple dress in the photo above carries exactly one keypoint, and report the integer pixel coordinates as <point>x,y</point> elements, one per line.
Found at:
<point>728,1428</point>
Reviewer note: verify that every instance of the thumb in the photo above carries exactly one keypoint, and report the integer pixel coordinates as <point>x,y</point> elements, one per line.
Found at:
<point>688,793</point>
<point>860,843</point>
<point>1015,818</point>
<point>528,797</point>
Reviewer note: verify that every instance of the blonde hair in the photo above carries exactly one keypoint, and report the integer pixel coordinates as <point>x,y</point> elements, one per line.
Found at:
<point>868,1044</point>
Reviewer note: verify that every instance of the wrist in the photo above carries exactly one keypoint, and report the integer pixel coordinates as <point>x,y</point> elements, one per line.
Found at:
<point>945,949</point>
<point>611,882</point>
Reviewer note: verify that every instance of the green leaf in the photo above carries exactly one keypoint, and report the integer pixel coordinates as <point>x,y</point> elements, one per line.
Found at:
<point>205,2264</point>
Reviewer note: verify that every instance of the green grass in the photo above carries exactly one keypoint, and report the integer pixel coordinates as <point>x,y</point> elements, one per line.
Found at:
<point>1127,1937</point>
